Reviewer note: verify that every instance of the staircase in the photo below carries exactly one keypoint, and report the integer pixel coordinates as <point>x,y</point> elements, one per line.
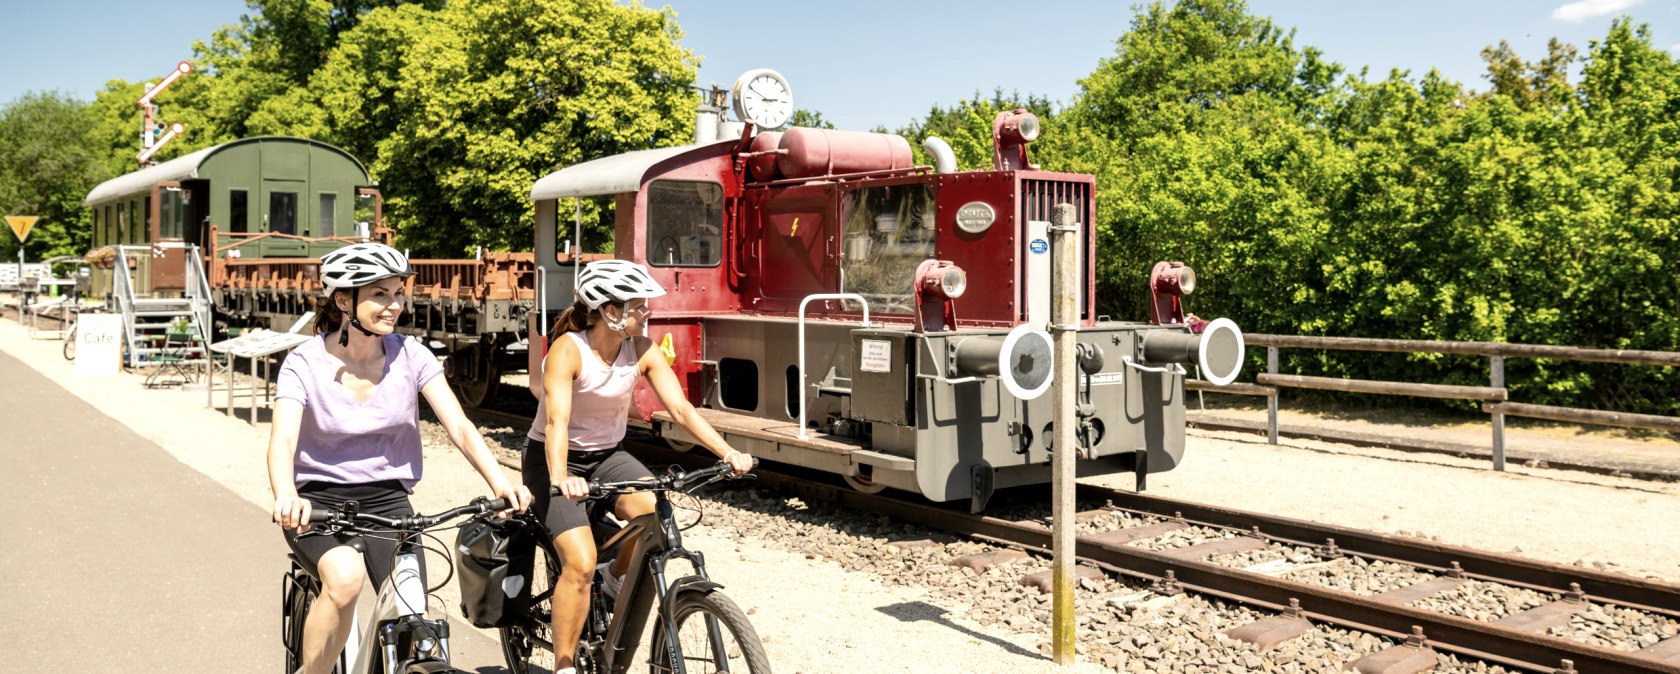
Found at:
<point>147,319</point>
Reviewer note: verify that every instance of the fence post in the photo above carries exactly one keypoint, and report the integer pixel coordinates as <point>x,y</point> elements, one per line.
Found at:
<point>1497,365</point>
<point>1271,400</point>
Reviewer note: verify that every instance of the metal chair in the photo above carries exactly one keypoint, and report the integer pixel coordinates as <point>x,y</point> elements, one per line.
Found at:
<point>177,359</point>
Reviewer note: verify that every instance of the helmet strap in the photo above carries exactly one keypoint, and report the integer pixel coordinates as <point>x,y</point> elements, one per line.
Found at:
<point>615,325</point>
<point>344,332</point>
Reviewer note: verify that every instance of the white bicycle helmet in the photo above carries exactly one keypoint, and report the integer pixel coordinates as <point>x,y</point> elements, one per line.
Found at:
<point>606,281</point>
<point>359,264</point>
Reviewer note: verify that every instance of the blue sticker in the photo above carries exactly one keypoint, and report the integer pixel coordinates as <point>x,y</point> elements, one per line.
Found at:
<point>1038,246</point>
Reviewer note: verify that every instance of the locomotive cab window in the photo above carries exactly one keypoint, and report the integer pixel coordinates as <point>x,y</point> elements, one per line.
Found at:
<point>889,232</point>
<point>685,223</point>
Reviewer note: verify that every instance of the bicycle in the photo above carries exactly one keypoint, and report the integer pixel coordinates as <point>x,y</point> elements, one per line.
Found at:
<point>397,638</point>
<point>611,628</point>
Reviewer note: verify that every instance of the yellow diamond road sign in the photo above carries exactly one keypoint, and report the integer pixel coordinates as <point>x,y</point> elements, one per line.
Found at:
<point>21,224</point>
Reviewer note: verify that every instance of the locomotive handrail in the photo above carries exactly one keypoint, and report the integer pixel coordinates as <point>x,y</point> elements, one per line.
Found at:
<point>808,298</point>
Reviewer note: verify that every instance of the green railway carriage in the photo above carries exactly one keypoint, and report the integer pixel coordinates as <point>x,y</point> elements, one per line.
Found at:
<point>262,197</point>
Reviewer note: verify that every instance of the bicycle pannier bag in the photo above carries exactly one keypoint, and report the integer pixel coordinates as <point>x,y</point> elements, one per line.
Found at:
<point>494,558</point>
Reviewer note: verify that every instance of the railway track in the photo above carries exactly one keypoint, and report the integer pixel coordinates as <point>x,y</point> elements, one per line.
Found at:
<point>1116,537</point>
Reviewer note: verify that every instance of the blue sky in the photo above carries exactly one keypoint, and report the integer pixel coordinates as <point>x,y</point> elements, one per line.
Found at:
<point>864,63</point>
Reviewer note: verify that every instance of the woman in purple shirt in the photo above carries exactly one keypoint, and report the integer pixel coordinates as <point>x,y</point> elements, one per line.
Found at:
<point>346,427</point>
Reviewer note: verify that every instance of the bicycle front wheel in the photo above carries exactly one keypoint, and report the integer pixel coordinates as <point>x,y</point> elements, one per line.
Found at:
<point>70,342</point>
<point>715,636</point>
<point>528,646</point>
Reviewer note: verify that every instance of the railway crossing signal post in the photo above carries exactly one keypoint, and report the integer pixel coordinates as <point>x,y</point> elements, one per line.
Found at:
<point>20,226</point>
<point>1064,322</point>
<point>148,124</point>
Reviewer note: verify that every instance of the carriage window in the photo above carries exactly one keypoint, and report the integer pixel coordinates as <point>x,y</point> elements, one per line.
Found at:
<point>173,213</point>
<point>238,213</point>
<point>282,212</point>
<point>889,232</point>
<point>327,222</point>
<point>685,221</point>
<point>136,233</point>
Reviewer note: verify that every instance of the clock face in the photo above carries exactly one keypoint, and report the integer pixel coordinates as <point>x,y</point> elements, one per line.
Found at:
<point>764,98</point>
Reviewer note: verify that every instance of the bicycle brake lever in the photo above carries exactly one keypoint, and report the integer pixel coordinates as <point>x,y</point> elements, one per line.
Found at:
<point>320,529</point>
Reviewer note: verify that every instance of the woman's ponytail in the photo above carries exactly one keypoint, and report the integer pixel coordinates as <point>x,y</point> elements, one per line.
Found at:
<point>576,318</point>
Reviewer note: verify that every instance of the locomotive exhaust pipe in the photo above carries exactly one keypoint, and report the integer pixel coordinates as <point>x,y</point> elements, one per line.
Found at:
<point>1218,350</point>
<point>1022,359</point>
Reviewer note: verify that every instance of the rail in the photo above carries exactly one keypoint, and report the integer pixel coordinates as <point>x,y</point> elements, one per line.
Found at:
<point>808,298</point>
<point>1494,397</point>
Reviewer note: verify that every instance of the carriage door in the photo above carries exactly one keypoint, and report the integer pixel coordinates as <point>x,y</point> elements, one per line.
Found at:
<point>797,235</point>
<point>285,184</point>
<point>170,204</point>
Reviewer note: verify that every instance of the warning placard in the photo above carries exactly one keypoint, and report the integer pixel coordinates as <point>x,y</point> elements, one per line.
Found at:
<point>21,225</point>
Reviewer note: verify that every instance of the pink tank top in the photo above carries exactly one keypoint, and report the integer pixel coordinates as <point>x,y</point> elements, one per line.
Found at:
<point>600,399</point>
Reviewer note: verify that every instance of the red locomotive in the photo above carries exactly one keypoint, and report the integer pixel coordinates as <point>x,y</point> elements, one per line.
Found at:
<point>832,306</point>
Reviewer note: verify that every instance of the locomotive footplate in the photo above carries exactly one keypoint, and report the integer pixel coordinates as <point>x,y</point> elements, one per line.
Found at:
<point>779,441</point>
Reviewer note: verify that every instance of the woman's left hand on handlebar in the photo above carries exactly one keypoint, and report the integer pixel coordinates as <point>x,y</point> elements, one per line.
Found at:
<point>739,460</point>
<point>519,496</point>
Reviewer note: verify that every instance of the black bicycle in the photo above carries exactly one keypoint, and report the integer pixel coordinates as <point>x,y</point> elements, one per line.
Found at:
<point>696,628</point>
<point>397,637</point>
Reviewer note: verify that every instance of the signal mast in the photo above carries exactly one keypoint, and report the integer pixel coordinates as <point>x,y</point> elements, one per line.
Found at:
<point>149,125</point>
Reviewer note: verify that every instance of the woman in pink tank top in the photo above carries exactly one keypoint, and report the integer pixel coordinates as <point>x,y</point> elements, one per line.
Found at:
<point>599,351</point>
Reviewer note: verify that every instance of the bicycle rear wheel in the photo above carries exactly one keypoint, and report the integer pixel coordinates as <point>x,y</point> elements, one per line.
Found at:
<point>528,646</point>
<point>715,636</point>
<point>298,594</point>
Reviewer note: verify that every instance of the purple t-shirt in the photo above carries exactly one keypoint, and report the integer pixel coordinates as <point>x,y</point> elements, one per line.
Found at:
<point>345,441</point>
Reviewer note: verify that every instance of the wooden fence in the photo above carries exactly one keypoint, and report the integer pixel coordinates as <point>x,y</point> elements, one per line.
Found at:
<point>1494,397</point>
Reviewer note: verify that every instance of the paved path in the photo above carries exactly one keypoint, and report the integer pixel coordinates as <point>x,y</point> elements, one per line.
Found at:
<point>119,557</point>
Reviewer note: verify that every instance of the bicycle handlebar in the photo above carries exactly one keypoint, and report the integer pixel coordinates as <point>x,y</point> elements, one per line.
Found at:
<point>479,506</point>
<point>675,481</point>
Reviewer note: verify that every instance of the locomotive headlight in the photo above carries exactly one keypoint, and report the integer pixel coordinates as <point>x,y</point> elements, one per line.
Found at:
<point>1021,126</point>
<point>944,280</point>
<point>1173,278</point>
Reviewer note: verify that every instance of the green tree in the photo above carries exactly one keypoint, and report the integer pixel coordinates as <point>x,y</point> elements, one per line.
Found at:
<point>967,126</point>
<point>50,163</point>
<point>1204,133</point>
<point>493,95</point>
<point>810,119</point>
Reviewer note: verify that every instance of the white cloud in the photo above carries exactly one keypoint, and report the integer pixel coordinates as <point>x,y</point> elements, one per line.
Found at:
<point>1674,48</point>
<point>1581,10</point>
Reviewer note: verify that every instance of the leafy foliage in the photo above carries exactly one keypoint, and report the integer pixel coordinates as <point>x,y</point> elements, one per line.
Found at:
<point>50,134</point>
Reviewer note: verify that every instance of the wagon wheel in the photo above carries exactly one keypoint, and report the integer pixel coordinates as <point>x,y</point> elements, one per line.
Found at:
<point>862,484</point>
<point>473,391</point>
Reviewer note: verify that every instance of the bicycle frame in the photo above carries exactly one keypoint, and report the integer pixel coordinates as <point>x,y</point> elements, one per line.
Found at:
<point>658,542</point>
<point>398,611</point>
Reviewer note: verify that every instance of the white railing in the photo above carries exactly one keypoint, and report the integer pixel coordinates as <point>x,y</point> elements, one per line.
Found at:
<point>123,288</point>
<point>808,299</point>
<point>198,290</point>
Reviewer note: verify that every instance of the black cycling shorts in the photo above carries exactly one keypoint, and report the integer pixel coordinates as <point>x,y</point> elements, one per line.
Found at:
<point>562,514</point>
<point>386,498</point>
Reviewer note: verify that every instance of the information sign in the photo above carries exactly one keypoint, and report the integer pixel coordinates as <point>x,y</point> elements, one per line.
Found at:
<point>21,225</point>
<point>99,344</point>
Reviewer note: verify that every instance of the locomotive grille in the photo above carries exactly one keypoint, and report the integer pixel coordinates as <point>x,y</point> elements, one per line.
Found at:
<point>1038,202</point>
<point>1041,196</point>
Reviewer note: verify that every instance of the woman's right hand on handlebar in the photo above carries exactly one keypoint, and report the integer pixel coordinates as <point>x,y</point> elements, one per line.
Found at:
<point>292,512</point>
<point>573,487</point>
